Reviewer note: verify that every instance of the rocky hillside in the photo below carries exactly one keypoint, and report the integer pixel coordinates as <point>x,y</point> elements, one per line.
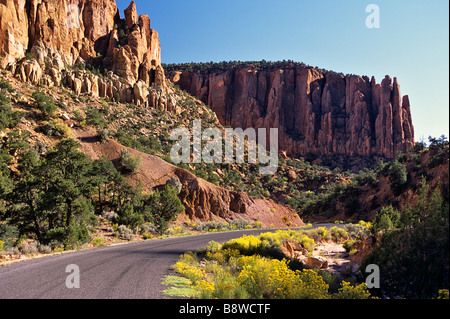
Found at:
<point>317,112</point>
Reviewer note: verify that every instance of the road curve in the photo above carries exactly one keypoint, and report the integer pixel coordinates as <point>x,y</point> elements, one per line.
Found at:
<point>129,271</point>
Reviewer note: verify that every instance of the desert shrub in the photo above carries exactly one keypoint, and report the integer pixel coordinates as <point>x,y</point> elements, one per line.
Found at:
<point>45,103</point>
<point>130,162</point>
<point>45,249</point>
<point>443,294</point>
<point>194,274</point>
<point>77,116</point>
<point>264,278</point>
<point>260,277</point>
<point>213,246</point>
<point>211,225</point>
<point>251,245</point>
<point>98,242</point>
<point>239,223</point>
<point>348,244</point>
<point>355,231</point>
<point>223,286</point>
<point>348,291</point>
<point>56,127</point>
<point>246,245</point>
<point>103,134</point>
<point>127,216</point>
<point>94,117</point>
<point>319,233</point>
<point>238,269</point>
<point>125,232</point>
<point>338,234</point>
<point>176,230</point>
<point>27,248</point>
<point>68,236</point>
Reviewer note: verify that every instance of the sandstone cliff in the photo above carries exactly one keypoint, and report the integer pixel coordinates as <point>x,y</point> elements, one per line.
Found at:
<point>321,113</point>
<point>42,41</point>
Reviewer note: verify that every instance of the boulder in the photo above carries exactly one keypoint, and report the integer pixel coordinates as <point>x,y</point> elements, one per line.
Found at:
<point>315,262</point>
<point>292,249</point>
<point>29,71</point>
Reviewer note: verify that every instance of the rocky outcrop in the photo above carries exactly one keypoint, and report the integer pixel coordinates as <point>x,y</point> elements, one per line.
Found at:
<point>54,30</point>
<point>316,112</point>
<point>41,42</point>
<point>13,31</point>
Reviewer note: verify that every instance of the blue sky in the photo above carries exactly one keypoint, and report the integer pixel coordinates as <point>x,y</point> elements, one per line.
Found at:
<point>411,44</point>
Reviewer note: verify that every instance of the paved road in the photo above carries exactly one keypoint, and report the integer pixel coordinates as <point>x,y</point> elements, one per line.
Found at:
<point>125,271</point>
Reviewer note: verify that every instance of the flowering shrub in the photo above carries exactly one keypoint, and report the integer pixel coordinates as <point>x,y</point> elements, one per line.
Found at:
<point>338,235</point>
<point>191,272</point>
<point>347,291</point>
<point>249,267</point>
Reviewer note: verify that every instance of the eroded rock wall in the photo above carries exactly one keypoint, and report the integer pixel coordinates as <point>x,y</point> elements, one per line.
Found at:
<point>315,112</point>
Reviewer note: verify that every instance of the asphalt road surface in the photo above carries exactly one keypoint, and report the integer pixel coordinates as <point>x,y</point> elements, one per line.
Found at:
<point>129,271</point>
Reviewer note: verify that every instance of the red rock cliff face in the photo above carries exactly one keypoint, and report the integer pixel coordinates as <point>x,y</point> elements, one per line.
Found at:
<point>316,113</point>
<point>60,33</point>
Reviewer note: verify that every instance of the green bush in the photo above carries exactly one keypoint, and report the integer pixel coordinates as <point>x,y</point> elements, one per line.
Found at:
<point>6,86</point>
<point>56,127</point>
<point>385,219</point>
<point>45,103</point>
<point>128,217</point>
<point>94,118</point>
<point>161,207</point>
<point>68,236</point>
<point>8,117</point>
<point>397,173</point>
<point>8,235</point>
<point>129,162</point>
